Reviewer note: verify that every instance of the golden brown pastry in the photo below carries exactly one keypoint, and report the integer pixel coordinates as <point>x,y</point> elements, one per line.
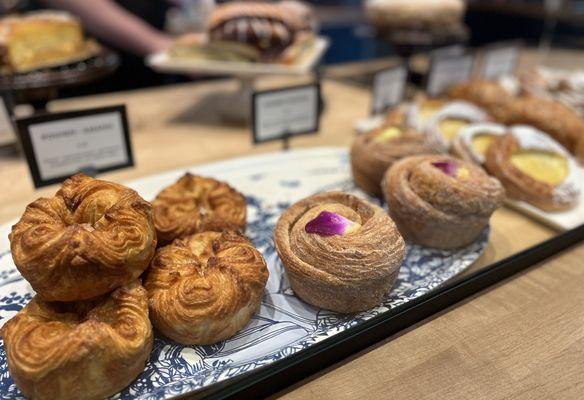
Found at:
<point>554,118</point>
<point>439,201</point>
<point>79,350</point>
<point>498,102</point>
<point>90,238</point>
<point>206,287</point>
<point>340,253</point>
<point>473,141</point>
<point>534,168</point>
<point>422,109</point>
<point>447,123</point>
<point>373,152</point>
<point>196,204</point>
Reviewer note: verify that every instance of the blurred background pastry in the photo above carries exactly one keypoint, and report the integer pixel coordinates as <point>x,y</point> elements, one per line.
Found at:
<point>535,168</point>
<point>204,288</point>
<point>340,253</point>
<point>473,141</point>
<point>488,95</point>
<point>440,201</point>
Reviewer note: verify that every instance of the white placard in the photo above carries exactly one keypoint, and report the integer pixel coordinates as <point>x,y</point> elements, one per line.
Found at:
<point>447,71</point>
<point>63,147</point>
<point>285,112</point>
<point>388,88</point>
<point>499,61</point>
<point>7,134</point>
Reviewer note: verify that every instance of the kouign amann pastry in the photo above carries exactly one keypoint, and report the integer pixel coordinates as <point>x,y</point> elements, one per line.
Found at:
<point>340,253</point>
<point>446,124</point>
<point>535,168</point>
<point>80,350</point>
<point>206,287</point>
<point>375,151</point>
<point>90,238</point>
<point>473,141</point>
<point>439,201</point>
<point>196,204</point>
<point>41,39</point>
<point>492,97</point>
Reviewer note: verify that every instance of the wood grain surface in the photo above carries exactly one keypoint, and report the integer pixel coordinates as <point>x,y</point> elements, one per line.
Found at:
<point>524,339</point>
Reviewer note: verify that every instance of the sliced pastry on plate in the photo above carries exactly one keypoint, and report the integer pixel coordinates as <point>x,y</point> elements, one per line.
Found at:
<point>535,168</point>
<point>196,204</point>
<point>474,140</point>
<point>375,151</point>
<point>340,253</point>
<point>204,288</point>
<point>446,124</point>
<point>79,350</point>
<point>439,201</point>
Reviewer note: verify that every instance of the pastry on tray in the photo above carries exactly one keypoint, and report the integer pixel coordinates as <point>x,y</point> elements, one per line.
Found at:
<point>473,141</point>
<point>90,238</point>
<point>192,46</point>
<point>440,201</point>
<point>195,204</point>
<point>87,349</point>
<point>375,151</point>
<point>269,28</point>
<point>204,288</point>
<point>446,124</point>
<point>534,168</point>
<point>42,39</point>
<point>340,253</point>
<point>491,96</point>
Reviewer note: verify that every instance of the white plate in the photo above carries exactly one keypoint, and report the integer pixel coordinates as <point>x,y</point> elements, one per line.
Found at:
<point>162,62</point>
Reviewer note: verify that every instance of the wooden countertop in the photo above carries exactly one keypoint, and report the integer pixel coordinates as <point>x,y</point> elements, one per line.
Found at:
<point>522,339</point>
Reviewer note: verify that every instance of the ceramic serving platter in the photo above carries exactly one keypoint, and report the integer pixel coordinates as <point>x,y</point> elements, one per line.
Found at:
<point>284,324</point>
<point>163,62</point>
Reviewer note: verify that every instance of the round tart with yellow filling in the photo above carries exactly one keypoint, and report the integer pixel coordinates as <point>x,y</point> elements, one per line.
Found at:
<point>473,141</point>
<point>422,110</point>
<point>340,253</point>
<point>534,168</point>
<point>445,125</point>
<point>439,201</point>
<point>373,152</point>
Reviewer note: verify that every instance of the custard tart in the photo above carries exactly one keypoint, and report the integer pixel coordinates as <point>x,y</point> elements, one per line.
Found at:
<point>535,168</point>
<point>340,253</point>
<point>422,110</point>
<point>473,141</point>
<point>439,201</point>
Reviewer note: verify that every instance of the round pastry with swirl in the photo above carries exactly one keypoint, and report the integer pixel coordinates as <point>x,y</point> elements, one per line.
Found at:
<point>375,151</point>
<point>206,287</point>
<point>195,204</point>
<point>439,201</point>
<point>88,349</point>
<point>492,97</point>
<point>534,168</point>
<point>90,238</point>
<point>340,253</point>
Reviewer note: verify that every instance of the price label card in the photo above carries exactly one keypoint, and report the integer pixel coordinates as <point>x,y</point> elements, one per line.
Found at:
<point>452,50</point>
<point>446,71</point>
<point>282,113</point>
<point>388,88</point>
<point>499,60</point>
<point>7,135</point>
<point>61,144</point>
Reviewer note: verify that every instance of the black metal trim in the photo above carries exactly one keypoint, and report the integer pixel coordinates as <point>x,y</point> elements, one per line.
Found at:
<point>281,374</point>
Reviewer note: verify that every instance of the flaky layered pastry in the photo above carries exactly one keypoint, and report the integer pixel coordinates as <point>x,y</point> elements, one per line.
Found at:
<point>196,204</point>
<point>79,350</point>
<point>498,102</point>
<point>340,253</point>
<point>439,201</point>
<point>373,152</point>
<point>534,168</point>
<point>206,287</point>
<point>90,238</point>
<point>474,140</point>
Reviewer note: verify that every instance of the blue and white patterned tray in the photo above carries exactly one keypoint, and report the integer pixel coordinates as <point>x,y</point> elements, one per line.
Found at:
<point>285,325</point>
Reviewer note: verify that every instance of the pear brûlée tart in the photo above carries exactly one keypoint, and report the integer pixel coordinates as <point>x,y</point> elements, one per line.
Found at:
<point>439,201</point>
<point>340,253</point>
<point>535,168</point>
<point>473,141</point>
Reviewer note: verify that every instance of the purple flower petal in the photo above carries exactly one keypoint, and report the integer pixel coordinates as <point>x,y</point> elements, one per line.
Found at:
<point>328,224</point>
<point>450,168</point>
